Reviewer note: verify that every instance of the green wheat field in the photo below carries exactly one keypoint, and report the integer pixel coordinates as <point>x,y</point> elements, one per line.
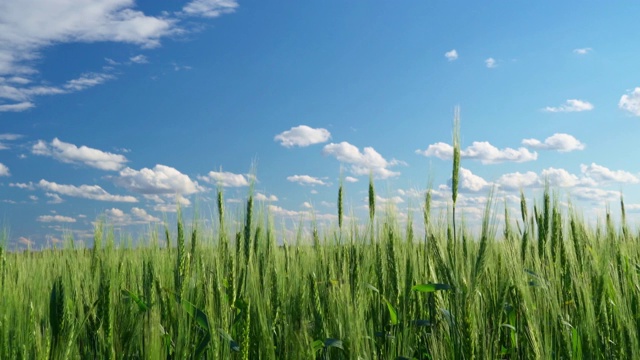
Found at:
<point>546,285</point>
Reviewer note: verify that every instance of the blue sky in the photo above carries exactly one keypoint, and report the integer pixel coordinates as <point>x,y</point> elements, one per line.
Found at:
<point>121,108</point>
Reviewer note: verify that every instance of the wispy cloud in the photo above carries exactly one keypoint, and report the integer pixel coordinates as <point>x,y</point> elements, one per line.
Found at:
<point>29,26</point>
<point>225,179</point>
<point>491,63</point>
<point>305,180</point>
<point>631,101</point>
<point>350,179</point>
<point>7,137</point>
<point>482,151</point>
<point>55,218</point>
<point>582,51</point>
<point>210,8</point>
<point>18,107</point>
<point>72,154</point>
<point>451,55</point>
<point>558,142</point>
<point>362,163</point>
<point>139,59</point>
<point>93,192</point>
<point>571,105</point>
<point>302,136</point>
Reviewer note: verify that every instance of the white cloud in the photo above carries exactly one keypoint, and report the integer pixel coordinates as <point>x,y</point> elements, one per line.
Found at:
<point>491,63</point>
<point>389,200</point>
<point>70,153</point>
<point>350,179</point>
<point>93,192</point>
<point>559,178</point>
<point>142,215</point>
<point>55,198</point>
<point>4,170</point>
<point>631,102</point>
<point>29,26</point>
<point>302,136</point>
<point>161,180</point>
<point>482,151</point>
<point>33,197</point>
<point>307,205</point>
<point>137,216</point>
<point>571,105</point>
<point>306,180</point>
<point>602,174</point>
<point>55,218</point>
<point>139,59</point>
<point>451,55</point>
<point>595,195</point>
<point>225,179</point>
<point>86,81</point>
<point>361,162</point>
<point>262,197</point>
<point>279,211</point>
<point>559,142</point>
<point>27,186</point>
<point>210,8</point>
<point>582,51</point>
<point>517,180</point>
<point>7,137</point>
<point>22,106</point>
<point>472,182</point>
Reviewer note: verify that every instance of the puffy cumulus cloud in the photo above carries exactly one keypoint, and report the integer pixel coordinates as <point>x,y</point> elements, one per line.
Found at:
<point>451,55</point>
<point>4,170</point>
<point>571,105</point>
<point>559,142</point>
<point>307,205</point>
<point>136,216</point>
<point>280,211</point>
<point>26,186</point>
<point>262,197</point>
<point>595,195</point>
<point>302,136</point>
<point>70,153</point>
<point>210,8</point>
<point>482,151</point>
<point>470,181</point>
<point>225,179</point>
<point>55,198</point>
<point>305,180</point>
<point>562,178</point>
<point>600,173</point>
<point>350,179</point>
<point>389,200</point>
<point>517,180</point>
<point>491,63</point>
<point>55,218</point>
<point>92,192</point>
<point>161,180</point>
<point>142,215</point>
<point>361,163</point>
<point>631,102</point>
